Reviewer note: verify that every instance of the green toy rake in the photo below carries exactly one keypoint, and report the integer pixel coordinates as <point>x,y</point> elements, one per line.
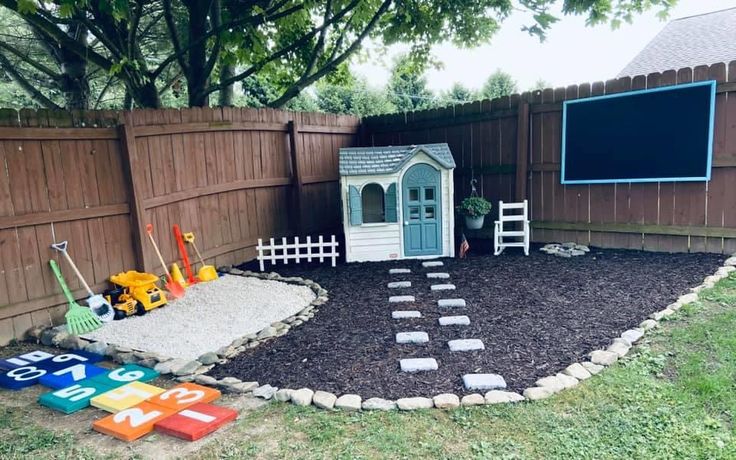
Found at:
<point>79,319</point>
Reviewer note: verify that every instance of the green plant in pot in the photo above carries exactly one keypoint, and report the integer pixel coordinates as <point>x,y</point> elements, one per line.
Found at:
<point>474,208</point>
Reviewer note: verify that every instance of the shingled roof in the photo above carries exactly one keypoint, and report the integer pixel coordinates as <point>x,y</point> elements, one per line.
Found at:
<point>688,42</point>
<point>358,161</point>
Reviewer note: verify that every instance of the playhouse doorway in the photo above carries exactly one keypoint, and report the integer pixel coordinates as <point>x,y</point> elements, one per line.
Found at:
<point>421,197</point>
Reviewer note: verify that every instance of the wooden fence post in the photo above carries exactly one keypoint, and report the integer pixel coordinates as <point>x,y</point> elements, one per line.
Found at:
<point>130,160</point>
<point>522,151</point>
<point>297,178</point>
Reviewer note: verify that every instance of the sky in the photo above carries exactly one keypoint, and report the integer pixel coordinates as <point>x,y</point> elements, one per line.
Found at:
<point>571,54</point>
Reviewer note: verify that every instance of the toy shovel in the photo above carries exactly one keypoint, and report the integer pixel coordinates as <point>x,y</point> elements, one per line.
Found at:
<point>96,302</point>
<point>174,288</point>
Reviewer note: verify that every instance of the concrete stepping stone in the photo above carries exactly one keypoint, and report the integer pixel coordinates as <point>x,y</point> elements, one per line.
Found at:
<point>398,271</point>
<point>460,320</point>
<point>442,287</point>
<point>438,275</point>
<point>451,303</point>
<point>401,298</point>
<point>432,263</point>
<point>412,337</point>
<point>466,345</point>
<point>418,364</point>
<point>484,382</point>
<point>399,284</point>
<point>405,314</point>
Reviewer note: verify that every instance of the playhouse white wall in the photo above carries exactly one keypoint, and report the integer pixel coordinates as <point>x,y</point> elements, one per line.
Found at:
<point>385,241</point>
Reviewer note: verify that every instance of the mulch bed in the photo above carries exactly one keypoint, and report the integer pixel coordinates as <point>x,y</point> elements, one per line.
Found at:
<point>535,315</point>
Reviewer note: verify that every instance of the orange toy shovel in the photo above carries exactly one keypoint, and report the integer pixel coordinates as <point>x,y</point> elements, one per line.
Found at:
<point>172,286</point>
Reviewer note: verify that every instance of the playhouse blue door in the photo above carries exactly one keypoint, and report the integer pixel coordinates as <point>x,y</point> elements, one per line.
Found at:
<point>421,197</point>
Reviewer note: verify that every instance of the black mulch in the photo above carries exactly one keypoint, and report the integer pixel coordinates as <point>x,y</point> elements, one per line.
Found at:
<point>535,315</point>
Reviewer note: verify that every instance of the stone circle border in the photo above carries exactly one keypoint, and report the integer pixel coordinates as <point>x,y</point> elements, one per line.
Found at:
<point>544,387</point>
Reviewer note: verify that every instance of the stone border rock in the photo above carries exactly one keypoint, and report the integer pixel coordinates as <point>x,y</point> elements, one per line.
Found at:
<point>194,370</point>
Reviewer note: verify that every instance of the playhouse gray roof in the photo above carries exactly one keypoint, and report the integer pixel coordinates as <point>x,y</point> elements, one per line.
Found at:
<point>688,42</point>
<point>357,161</point>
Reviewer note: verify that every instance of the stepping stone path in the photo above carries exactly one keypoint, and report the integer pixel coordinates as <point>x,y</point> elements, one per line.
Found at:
<point>472,382</point>
<point>412,337</point>
<point>405,314</point>
<point>450,303</point>
<point>442,287</point>
<point>466,345</point>
<point>432,263</point>
<point>401,298</point>
<point>399,284</point>
<point>454,320</point>
<point>418,364</point>
<point>483,382</point>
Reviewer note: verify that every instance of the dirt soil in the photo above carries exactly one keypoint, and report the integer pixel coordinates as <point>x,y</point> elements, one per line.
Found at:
<point>535,315</point>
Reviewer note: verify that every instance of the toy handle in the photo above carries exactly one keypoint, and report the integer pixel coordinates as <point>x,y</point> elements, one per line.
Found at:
<point>60,279</point>
<point>149,229</point>
<point>188,237</point>
<point>61,247</point>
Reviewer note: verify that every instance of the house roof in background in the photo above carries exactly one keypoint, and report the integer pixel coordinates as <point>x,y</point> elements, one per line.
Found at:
<point>688,42</point>
<point>356,161</point>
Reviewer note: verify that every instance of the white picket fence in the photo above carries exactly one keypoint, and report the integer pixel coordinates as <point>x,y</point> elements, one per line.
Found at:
<point>275,251</point>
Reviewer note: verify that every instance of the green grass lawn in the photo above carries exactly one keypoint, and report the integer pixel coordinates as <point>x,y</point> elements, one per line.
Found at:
<point>674,396</point>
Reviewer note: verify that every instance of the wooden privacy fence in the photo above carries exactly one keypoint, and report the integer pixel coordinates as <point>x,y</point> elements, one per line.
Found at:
<point>511,145</point>
<point>97,178</point>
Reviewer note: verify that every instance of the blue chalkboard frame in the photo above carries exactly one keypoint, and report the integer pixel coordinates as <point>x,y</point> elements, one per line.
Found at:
<point>709,153</point>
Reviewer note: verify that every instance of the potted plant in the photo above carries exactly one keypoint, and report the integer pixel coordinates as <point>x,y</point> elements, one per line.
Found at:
<point>474,208</point>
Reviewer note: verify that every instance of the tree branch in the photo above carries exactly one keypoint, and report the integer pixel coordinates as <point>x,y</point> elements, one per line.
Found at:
<point>305,80</point>
<point>60,36</point>
<point>284,51</point>
<point>25,85</point>
<point>178,52</point>
<point>256,20</point>
<point>32,62</point>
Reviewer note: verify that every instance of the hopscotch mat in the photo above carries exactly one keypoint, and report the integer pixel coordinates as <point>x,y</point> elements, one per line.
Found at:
<point>137,408</point>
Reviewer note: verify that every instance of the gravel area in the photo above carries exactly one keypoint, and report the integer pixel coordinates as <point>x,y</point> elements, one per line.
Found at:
<point>210,315</point>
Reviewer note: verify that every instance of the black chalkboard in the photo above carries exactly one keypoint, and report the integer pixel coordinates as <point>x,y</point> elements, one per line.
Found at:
<point>657,135</point>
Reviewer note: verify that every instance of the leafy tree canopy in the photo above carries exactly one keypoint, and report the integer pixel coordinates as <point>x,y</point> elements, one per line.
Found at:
<point>498,84</point>
<point>161,52</point>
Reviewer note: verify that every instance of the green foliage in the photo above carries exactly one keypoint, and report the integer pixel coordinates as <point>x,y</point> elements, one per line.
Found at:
<point>457,94</point>
<point>499,84</point>
<point>540,84</point>
<point>355,97</point>
<point>474,206</point>
<point>407,86</point>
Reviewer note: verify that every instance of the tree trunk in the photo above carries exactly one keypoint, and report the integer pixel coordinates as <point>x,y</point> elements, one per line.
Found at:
<point>74,84</point>
<point>227,92</point>
<point>144,95</point>
<point>197,55</point>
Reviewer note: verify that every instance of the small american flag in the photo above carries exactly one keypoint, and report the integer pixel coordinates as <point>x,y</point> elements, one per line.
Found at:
<point>464,247</point>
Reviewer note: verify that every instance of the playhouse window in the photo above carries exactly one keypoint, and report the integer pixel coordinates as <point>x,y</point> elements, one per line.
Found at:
<point>373,207</point>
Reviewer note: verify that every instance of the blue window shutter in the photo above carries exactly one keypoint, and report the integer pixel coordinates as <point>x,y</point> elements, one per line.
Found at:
<point>390,204</point>
<point>356,206</point>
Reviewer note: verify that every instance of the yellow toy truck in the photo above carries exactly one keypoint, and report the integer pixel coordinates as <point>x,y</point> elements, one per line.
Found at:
<point>135,293</point>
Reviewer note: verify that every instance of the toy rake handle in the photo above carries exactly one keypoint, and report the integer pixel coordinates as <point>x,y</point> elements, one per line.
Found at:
<point>60,280</point>
<point>149,229</point>
<point>61,247</point>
